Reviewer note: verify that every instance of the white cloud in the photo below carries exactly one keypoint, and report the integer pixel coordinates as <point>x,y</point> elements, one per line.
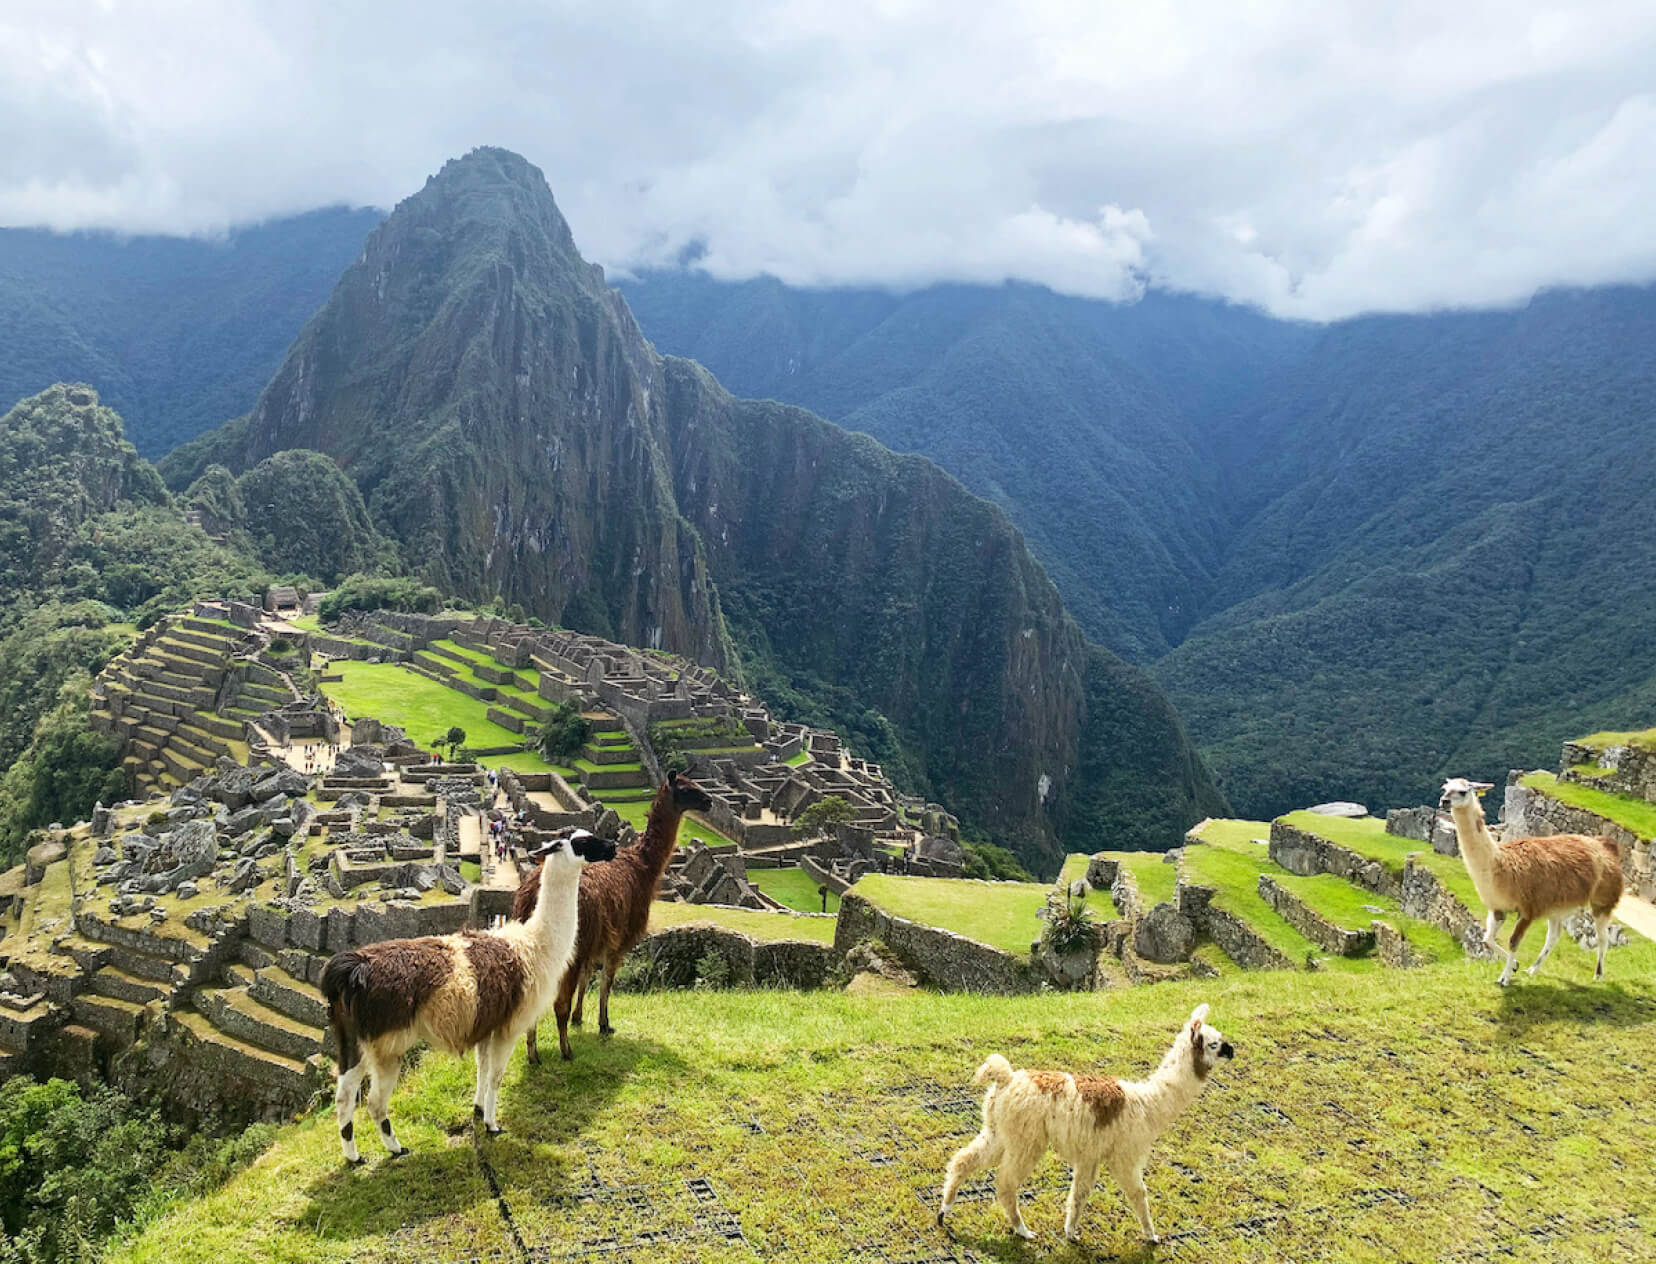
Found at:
<point>1317,160</point>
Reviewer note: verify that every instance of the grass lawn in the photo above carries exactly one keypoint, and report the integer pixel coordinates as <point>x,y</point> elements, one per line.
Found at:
<point>1367,837</point>
<point>471,871</point>
<point>1000,914</point>
<point>307,622</point>
<point>393,694</point>
<point>517,761</point>
<point>794,887</point>
<point>1598,741</point>
<point>1401,1116</point>
<point>1235,876</point>
<point>794,761</point>
<point>761,924</point>
<point>1636,815</point>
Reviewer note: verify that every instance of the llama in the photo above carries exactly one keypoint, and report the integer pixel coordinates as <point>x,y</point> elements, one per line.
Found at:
<point>614,906</point>
<point>474,990</point>
<point>1546,877</point>
<point>1087,1120</point>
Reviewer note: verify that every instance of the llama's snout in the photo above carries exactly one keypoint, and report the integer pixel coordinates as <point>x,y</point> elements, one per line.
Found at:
<point>1226,1050</point>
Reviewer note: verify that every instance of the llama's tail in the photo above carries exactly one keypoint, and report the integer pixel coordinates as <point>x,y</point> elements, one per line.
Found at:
<point>343,981</point>
<point>995,1070</point>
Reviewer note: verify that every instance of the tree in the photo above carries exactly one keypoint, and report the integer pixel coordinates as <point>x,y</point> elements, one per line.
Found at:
<point>564,733</point>
<point>454,739</point>
<point>824,814</point>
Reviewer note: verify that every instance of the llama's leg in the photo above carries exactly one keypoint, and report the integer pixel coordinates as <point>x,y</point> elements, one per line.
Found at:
<point>1512,949</point>
<point>1081,1185</point>
<point>1015,1167</point>
<point>1601,921</point>
<point>500,1053</point>
<point>485,1072</point>
<point>345,1100</point>
<point>610,967</point>
<point>560,1007</point>
<point>981,1151</point>
<point>385,1071</point>
<point>531,1050</point>
<point>581,981</point>
<point>1492,923</point>
<point>1555,925</point>
<point>1131,1180</point>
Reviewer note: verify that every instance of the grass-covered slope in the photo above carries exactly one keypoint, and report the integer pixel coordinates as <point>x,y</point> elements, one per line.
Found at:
<point>1420,1115</point>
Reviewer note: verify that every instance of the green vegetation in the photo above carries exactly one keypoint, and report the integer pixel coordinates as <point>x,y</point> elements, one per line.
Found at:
<point>66,769</point>
<point>419,705</point>
<point>795,761</point>
<point>672,740</point>
<point>997,864</point>
<point>1004,915</point>
<point>824,814</point>
<point>520,761</point>
<point>1365,1119</point>
<point>1635,815</point>
<point>76,1168</point>
<point>1367,837</point>
<point>1157,880</point>
<point>365,592</point>
<point>793,887</point>
<point>564,731</point>
<point>1598,741</point>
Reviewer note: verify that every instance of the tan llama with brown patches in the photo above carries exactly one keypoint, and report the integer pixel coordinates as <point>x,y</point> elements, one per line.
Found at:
<point>1548,877</point>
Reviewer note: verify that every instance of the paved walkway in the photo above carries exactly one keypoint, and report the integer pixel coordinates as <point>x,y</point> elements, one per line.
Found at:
<point>1637,915</point>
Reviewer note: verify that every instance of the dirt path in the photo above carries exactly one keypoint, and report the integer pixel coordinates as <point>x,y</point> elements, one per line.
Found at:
<point>1637,915</point>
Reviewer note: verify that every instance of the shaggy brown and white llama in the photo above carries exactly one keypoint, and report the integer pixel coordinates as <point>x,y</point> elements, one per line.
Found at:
<point>474,990</point>
<point>614,906</point>
<point>1548,877</point>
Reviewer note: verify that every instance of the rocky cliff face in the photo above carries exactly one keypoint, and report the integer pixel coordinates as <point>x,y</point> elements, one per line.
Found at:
<point>512,429</point>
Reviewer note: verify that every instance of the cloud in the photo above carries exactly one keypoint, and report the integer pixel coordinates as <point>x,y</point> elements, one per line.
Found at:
<point>1317,161</point>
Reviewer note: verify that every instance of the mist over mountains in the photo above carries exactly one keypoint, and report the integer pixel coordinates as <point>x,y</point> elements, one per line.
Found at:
<point>1358,557</point>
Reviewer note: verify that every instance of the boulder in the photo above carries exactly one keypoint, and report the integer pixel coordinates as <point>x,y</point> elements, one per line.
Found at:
<point>364,760</point>
<point>1164,934</point>
<point>1339,809</point>
<point>241,821</point>
<point>187,852</point>
<point>235,787</point>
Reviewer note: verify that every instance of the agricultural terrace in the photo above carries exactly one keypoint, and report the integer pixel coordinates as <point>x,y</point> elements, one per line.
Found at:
<point>1398,1115</point>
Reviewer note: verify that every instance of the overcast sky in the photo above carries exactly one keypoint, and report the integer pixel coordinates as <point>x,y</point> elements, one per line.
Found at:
<point>1317,159</point>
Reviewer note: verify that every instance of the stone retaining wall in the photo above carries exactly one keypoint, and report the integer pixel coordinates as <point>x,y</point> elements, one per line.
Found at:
<point>670,958</point>
<point>823,876</point>
<point>1312,924</point>
<point>941,957</point>
<point>1426,898</point>
<point>1240,941</point>
<point>1624,769</point>
<point>1393,950</point>
<point>1306,854</point>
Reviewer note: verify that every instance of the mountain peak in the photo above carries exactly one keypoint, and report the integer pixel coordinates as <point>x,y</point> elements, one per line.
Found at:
<point>491,190</point>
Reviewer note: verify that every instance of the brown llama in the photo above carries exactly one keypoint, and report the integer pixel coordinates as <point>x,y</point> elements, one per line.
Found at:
<point>1548,877</point>
<point>614,906</point>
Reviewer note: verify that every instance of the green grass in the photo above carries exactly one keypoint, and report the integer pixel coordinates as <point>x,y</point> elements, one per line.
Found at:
<point>793,887</point>
<point>517,761</point>
<point>1636,815</point>
<point>1350,908</point>
<point>1598,741</point>
<point>1367,837</point>
<point>471,871</point>
<point>1000,914</point>
<point>794,761</point>
<point>588,765</point>
<point>307,622</point>
<point>1234,875</point>
<point>1409,1115</point>
<point>761,924</point>
<point>393,694</point>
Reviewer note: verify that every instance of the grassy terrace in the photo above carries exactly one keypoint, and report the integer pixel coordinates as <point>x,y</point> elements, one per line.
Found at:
<point>1367,837</point>
<point>761,924</point>
<point>1000,914</point>
<point>794,761</point>
<point>794,887</point>
<point>1156,879</point>
<point>393,694</point>
<point>1420,1115</point>
<point>1598,741</point>
<point>1636,815</point>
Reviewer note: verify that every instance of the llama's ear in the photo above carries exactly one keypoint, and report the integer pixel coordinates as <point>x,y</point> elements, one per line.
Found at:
<point>1198,1016</point>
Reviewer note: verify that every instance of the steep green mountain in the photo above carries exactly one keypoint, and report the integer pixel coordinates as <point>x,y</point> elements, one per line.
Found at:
<point>176,334</point>
<point>90,546</point>
<point>512,430</point>
<point>1086,422</point>
<point>1360,557</point>
<point>301,514</point>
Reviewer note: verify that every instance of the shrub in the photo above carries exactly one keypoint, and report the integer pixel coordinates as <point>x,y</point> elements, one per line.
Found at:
<point>564,733</point>
<point>365,592</point>
<point>1070,926</point>
<point>826,813</point>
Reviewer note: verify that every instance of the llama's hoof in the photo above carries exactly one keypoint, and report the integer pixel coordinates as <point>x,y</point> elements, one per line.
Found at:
<point>494,1130</point>
<point>533,1059</point>
<point>356,1162</point>
<point>1024,1232</point>
<point>606,1031</point>
<point>568,1055</point>
<point>1072,1235</point>
<point>400,1152</point>
<point>1153,1239</point>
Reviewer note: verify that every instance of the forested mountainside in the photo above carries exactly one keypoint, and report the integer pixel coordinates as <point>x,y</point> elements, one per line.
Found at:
<point>176,334</point>
<point>1359,557</point>
<point>91,545</point>
<point>514,433</point>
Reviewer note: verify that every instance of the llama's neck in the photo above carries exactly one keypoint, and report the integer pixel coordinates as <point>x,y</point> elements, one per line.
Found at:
<point>655,849</point>
<point>551,927</point>
<point>1175,1084</point>
<point>1477,844</point>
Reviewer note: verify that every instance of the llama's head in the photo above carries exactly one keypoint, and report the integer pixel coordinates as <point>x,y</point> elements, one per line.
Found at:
<point>687,795</point>
<point>574,853</point>
<point>1206,1044</point>
<point>1459,792</point>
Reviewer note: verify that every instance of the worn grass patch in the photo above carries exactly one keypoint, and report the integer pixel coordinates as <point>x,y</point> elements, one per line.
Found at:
<point>1636,815</point>
<point>1422,1115</point>
<point>392,694</point>
<point>1000,914</point>
<point>794,887</point>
